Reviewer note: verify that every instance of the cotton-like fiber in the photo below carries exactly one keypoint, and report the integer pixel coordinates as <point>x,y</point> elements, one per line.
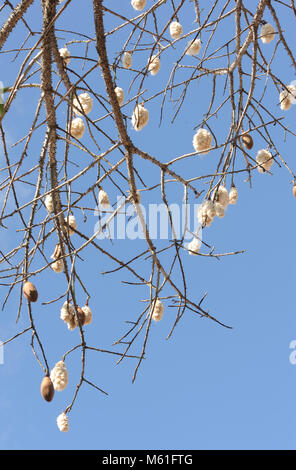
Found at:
<point>68,315</point>
<point>120,95</point>
<point>286,98</point>
<point>193,47</point>
<point>140,117</point>
<point>194,246</point>
<point>138,4</point>
<point>154,65</point>
<point>233,195</point>
<point>71,222</point>
<point>77,128</point>
<point>158,310</point>
<point>85,102</point>
<point>63,422</point>
<point>49,203</point>
<point>202,141</point>
<point>127,60</point>
<point>88,315</point>
<point>220,210</point>
<point>176,29</point>
<point>206,213</point>
<point>267,33</point>
<point>104,199</point>
<point>222,196</point>
<point>59,376</point>
<point>57,266</point>
<point>264,160</point>
<point>65,54</point>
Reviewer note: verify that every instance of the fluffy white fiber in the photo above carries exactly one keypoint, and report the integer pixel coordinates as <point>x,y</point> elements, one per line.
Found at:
<point>267,33</point>
<point>194,246</point>
<point>158,310</point>
<point>206,213</point>
<point>286,98</point>
<point>222,196</point>
<point>63,422</point>
<point>120,95</point>
<point>140,117</point>
<point>85,102</point>
<point>202,141</point>
<point>71,221</point>
<point>65,54</point>
<point>265,160</point>
<point>88,314</point>
<point>233,195</point>
<point>59,376</point>
<point>138,4</point>
<point>57,266</point>
<point>68,315</point>
<point>104,199</point>
<point>127,60</point>
<point>49,203</point>
<point>77,128</point>
<point>176,29</point>
<point>193,47</point>
<point>220,210</point>
<point>154,65</point>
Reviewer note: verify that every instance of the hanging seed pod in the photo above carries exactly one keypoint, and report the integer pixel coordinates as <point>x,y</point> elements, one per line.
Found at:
<point>68,315</point>
<point>127,60</point>
<point>294,189</point>
<point>104,199</point>
<point>222,196</point>
<point>206,213</point>
<point>202,141</point>
<point>154,65</point>
<point>49,203</point>
<point>194,246</point>
<point>57,252</point>
<point>76,128</point>
<point>47,389</point>
<point>233,195</point>
<point>63,422</point>
<point>267,33</point>
<point>220,210</point>
<point>286,98</point>
<point>176,29</point>
<point>264,160</point>
<point>120,95</point>
<point>65,54</point>
<point>81,317</point>
<point>138,4</point>
<point>247,141</point>
<point>30,291</point>
<point>140,117</point>
<point>158,310</point>
<point>59,376</point>
<point>87,314</point>
<point>57,266</point>
<point>84,102</point>
<point>71,224</point>
<point>193,47</point>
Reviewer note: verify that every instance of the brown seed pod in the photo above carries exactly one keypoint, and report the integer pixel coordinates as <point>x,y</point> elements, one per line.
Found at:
<point>81,316</point>
<point>294,189</point>
<point>57,252</point>
<point>30,291</point>
<point>47,389</point>
<point>247,141</point>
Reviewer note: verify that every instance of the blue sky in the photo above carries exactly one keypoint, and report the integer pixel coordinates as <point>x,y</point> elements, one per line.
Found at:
<point>207,387</point>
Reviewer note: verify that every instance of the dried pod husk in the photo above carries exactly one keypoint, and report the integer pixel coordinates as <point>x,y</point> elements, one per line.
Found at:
<point>57,251</point>
<point>59,376</point>
<point>294,189</point>
<point>81,316</point>
<point>47,388</point>
<point>87,314</point>
<point>30,291</point>
<point>63,422</point>
<point>176,29</point>
<point>57,266</point>
<point>233,195</point>
<point>157,312</point>
<point>65,54</point>
<point>71,224</point>
<point>140,117</point>
<point>247,141</point>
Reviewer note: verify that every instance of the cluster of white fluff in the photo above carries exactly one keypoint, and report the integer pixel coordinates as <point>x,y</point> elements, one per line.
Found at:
<point>267,33</point>
<point>138,4</point>
<point>176,29</point>
<point>154,65</point>
<point>264,160</point>
<point>71,222</point>
<point>120,95</point>
<point>194,246</point>
<point>68,315</point>
<point>63,422</point>
<point>286,98</point>
<point>193,47</point>
<point>127,60</point>
<point>206,213</point>
<point>58,265</point>
<point>140,117</point>
<point>157,312</point>
<point>87,314</point>
<point>233,195</point>
<point>65,54</point>
<point>222,196</point>
<point>77,128</point>
<point>210,209</point>
<point>49,203</point>
<point>104,199</point>
<point>59,376</point>
<point>85,102</point>
<point>202,141</point>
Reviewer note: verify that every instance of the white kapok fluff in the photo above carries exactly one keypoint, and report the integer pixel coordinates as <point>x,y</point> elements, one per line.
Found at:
<point>127,60</point>
<point>222,196</point>
<point>264,160</point>
<point>85,102</point>
<point>193,47</point>
<point>138,4</point>
<point>57,266</point>
<point>220,210</point>
<point>140,117</point>
<point>286,98</point>
<point>120,95</point>
<point>202,141</point>
<point>77,128</point>
<point>206,213</point>
<point>68,315</point>
<point>158,310</point>
<point>233,195</point>
<point>63,422</point>
<point>194,246</point>
<point>87,314</point>
<point>59,376</point>
<point>267,33</point>
<point>104,199</point>
<point>49,203</point>
<point>70,220</point>
<point>65,54</point>
<point>154,65</point>
<point>176,29</point>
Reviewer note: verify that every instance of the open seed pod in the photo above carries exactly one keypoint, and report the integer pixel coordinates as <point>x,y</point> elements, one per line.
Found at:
<point>81,316</point>
<point>30,291</point>
<point>294,189</point>
<point>47,389</point>
<point>247,141</point>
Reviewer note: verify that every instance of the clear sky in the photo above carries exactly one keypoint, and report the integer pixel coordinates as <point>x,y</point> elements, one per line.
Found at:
<point>207,387</point>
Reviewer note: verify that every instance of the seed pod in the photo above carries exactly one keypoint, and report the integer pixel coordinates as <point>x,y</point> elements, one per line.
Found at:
<point>267,33</point>
<point>154,65</point>
<point>81,316</point>
<point>65,54</point>
<point>140,117</point>
<point>233,195</point>
<point>68,315</point>
<point>176,29</point>
<point>59,376</point>
<point>294,189</point>
<point>47,389</point>
<point>286,98</point>
<point>264,160</point>
<point>49,203</point>
<point>57,266</point>
<point>30,291</point>
<point>120,95</point>
<point>158,310</point>
<point>63,422</point>
<point>104,199</point>
<point>247,141</point>
<point>194,246</point>
<point>193,47</point>
<point>84,102</point>
<point>202,141</point>
<point>76,128</point>
<point>206,213</point>
<point>57,252</point>
<point>127,60</point>
<point>138,4</point>
<point>71,222</point>
<point>87,314</point>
